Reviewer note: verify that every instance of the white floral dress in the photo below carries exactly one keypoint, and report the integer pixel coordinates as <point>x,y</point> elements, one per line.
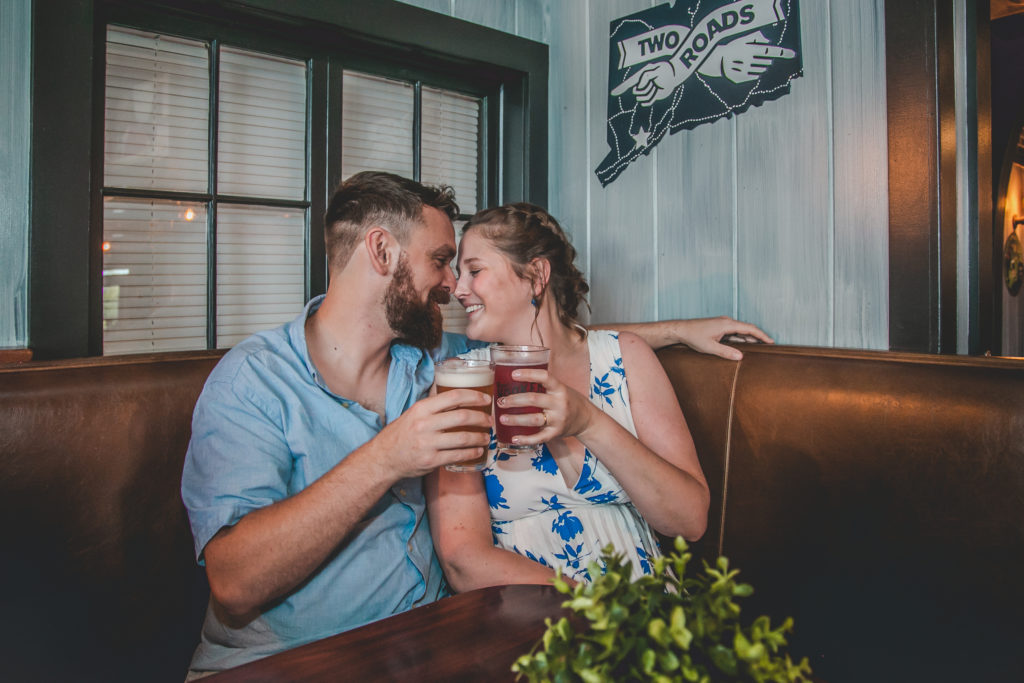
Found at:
<point>536,514</point>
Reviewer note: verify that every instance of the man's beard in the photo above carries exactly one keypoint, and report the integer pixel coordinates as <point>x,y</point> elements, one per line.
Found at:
<point>414,323</point>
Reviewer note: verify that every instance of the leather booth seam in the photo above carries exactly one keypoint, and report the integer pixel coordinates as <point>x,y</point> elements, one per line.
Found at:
<point>728,457</point>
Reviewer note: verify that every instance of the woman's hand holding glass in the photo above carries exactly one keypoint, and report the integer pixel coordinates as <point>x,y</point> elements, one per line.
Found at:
<point>563,410</point>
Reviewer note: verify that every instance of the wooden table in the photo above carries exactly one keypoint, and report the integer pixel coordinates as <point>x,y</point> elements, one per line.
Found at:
<point>472,636</point>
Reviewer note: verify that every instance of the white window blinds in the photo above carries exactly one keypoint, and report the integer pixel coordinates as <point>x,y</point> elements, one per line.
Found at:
<point>156,260</point>
<point>261,152</point>
<point>261,134</point>
<point>450,144</point>
<point>260,269</point>
<point>376,125</point>
<point>157,112</point>
<point>154,276</point>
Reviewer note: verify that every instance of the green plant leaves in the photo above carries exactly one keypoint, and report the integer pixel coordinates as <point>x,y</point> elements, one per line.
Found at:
<point>664,627</point>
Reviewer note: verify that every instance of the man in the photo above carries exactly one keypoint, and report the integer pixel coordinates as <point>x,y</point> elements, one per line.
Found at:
<point>302,479</point>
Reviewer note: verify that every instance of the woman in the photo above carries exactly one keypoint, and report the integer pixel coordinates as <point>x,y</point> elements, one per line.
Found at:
<point>617,458</point>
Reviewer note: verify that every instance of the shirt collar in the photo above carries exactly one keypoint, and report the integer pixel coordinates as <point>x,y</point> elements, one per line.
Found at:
<point>297,337</point>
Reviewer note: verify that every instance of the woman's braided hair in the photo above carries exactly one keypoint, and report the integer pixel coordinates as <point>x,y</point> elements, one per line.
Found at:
<point>524,232</point>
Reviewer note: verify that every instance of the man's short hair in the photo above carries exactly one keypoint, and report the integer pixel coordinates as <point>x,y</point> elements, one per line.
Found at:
<point>372,198</point>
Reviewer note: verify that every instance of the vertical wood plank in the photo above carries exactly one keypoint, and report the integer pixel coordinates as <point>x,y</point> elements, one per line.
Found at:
<point>568,155</point>
<point>695,222</point>
<point>784,224</point>
<point>15,125</point>
<point>861,187</point>
<point>622,277</point>
<point>496,14</point>
<point>533,20</point>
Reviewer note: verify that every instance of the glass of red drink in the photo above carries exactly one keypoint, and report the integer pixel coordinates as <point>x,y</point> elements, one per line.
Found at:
<point>506,359</point>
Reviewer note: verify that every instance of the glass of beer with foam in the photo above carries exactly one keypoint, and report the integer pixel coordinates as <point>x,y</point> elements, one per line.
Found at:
<point>463,373</point>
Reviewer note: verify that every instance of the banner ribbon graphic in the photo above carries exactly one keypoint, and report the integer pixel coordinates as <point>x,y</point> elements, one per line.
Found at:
<point>689,48</point>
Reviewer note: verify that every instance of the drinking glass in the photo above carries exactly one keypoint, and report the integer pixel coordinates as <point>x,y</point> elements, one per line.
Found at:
<point>462,373</point>
<point>505,360</point>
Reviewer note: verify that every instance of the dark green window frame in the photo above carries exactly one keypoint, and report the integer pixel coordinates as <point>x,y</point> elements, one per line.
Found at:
<point>394,40</point>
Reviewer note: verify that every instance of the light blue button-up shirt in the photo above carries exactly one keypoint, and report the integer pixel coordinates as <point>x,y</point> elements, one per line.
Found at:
<point>266,427</point>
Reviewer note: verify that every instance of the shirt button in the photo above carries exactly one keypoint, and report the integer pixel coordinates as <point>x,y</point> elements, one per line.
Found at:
<point>401,492</point>
<point>409,546</point>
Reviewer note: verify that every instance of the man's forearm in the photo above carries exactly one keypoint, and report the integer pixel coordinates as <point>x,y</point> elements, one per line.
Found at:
<point>271,551</point>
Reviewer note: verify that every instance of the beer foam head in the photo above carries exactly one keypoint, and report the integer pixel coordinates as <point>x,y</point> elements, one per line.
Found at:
<point>464,377</point>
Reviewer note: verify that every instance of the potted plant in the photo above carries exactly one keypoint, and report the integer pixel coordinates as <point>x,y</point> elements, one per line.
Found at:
<point>661,627</point>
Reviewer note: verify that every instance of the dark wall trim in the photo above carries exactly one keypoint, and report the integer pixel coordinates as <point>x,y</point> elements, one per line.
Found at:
<point>923,257</point>
<point>919,178</point>
<point>66,233</point>
<point>985,333</point>
<point>62,110</point>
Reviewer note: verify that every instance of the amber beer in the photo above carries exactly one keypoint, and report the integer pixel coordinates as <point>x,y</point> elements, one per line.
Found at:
<point>461,373</point>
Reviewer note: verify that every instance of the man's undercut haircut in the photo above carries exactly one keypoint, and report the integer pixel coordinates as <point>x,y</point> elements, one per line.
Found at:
<point>372,198</point>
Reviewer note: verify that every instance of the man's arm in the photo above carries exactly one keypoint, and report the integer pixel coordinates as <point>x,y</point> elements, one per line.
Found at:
<point>271,550</point>
<point>700,334</point>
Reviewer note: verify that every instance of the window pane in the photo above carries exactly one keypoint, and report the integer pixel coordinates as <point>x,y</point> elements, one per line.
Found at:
<point>154,276</point>
<point>376,125</point>
<point>449,154</point>
<point>157,108</point>
<point>261,137</point>
<point>260,266</point>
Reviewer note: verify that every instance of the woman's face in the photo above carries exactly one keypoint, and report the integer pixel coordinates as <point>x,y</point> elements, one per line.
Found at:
<point>497,301</point>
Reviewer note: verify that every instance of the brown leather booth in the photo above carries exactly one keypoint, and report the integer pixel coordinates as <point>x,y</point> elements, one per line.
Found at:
<point>98,574</point>
<point>878,498</point>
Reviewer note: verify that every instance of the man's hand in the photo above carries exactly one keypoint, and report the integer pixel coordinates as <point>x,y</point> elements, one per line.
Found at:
<point>421,441</point>
<point>706,335</point>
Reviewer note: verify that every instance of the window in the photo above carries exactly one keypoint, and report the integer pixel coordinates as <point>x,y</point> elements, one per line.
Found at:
<point>205,207</point>
<point>219,130</point>
<point>199,254</point>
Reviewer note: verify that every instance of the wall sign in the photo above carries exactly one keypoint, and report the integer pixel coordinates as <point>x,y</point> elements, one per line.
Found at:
<point>675,67</point>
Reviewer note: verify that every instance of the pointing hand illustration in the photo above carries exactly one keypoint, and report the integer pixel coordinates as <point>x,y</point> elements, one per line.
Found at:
<point>652,83</point>
<point>743,59</point>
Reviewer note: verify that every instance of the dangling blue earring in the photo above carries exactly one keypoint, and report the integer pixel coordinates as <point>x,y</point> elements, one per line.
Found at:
<point>533,302</point>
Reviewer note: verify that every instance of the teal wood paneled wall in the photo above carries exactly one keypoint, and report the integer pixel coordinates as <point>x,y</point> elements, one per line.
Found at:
<point>15,126</point>
<point>778,216</point>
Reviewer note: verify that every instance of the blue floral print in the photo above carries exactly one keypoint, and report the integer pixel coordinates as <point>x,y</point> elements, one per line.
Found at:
<point>603,388</point>
<point>603,498</point>
<point>645,560</point>
<point>587,482</point>
<point>567,525</point>
<point>494,490</point>
<point>545,462</point>
<point>530,555</point>
<point>572,557</point>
